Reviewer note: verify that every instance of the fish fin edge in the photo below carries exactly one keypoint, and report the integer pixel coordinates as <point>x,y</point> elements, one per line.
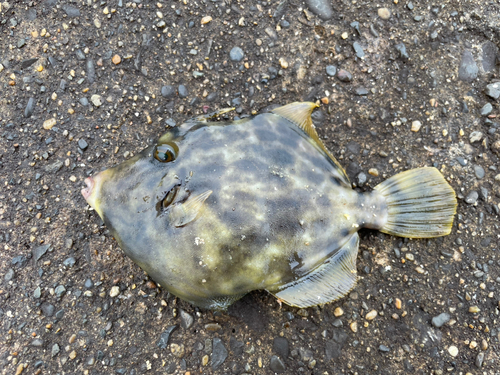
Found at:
<point>330,281</point>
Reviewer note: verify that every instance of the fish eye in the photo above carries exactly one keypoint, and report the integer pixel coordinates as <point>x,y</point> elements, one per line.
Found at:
<point>165,153</point>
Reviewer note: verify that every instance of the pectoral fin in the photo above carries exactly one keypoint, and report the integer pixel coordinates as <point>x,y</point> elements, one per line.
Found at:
<point>328,282</point>
<point>183,213</point>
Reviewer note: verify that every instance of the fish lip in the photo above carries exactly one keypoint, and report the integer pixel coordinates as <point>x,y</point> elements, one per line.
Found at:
<point>87,191</point>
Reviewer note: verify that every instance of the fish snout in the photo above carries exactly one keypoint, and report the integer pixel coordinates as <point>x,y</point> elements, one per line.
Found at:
<point>87,191</point>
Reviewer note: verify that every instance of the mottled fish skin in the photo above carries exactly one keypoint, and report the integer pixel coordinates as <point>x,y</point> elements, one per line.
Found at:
<point>279,207</point>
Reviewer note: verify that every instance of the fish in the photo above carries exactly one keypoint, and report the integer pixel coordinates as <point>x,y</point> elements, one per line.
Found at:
<point>217,209</point>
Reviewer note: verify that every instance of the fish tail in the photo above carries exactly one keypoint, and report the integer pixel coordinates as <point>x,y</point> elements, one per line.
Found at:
<point>420,204</point>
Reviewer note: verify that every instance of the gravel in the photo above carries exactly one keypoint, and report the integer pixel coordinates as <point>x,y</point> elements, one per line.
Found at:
<point>236,54</point>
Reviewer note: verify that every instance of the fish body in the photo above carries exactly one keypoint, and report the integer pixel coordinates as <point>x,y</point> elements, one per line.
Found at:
<point>215,210</point>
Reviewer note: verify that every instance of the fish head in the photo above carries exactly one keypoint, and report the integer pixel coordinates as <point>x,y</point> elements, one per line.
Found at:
<point>134,198</point>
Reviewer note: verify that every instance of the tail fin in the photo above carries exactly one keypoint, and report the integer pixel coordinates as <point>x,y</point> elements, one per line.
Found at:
<point>420,204</point>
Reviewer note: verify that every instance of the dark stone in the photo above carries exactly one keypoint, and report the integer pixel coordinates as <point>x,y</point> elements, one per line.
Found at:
<point>47,309</point>
<point>219,353</point>
<point>183,92</point>
<point>84,101</point>
<point>277,365</point>
<point>40,251</point>
<point>30,107</point>
<point>168,91</point>
<point>331,70</point>
<point>322,8</point>
<point>212,97</point>
<point>281,346</point>
<point>344,75</point>
<point>472,197</point>
<point>358,49</point>
<point>165,336</point>
<point>27,63</point>
<point>70,262</point>
<point>90,71</point>
<point>489,55</point>
<point>236,346</point>
<point>361,91</point>
<point>236,54</point>
<point>468,69</point>
<point>71,11</point>
<point>401,48</point>
<point>9,275</point>
<point>82,143</point>
<point>384,348</point>
<point>89,284</point>
<point>187,319</point>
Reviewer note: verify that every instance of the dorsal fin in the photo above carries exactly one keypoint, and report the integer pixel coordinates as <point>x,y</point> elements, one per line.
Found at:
<point>300,114</point>
<point>186,212</point>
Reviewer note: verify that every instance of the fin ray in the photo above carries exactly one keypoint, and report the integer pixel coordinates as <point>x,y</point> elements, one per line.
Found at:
<point>184,213</point>
<point>420,204</point>
<point>300,114</point>
<point>330,281</point>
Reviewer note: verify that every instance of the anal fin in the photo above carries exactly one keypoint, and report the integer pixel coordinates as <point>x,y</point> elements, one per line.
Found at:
<point>326,283</point>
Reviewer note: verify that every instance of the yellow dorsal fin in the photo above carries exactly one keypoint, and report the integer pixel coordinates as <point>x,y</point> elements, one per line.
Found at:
<point>300,114</point>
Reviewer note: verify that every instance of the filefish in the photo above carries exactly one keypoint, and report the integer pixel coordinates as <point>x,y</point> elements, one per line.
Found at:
<point>216,209</point>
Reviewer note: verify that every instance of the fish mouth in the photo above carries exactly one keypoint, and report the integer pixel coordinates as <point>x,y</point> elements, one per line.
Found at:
<point>87,191</point>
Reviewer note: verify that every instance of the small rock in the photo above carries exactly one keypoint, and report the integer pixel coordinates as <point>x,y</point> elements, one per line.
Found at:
<point>453,350</point>
<point>474,309</point>
<point>40,251</point>
<point>90,71</point>
<point>69,262</point>
<point>281,346</point>
<point>71,11</point>
<point>371,315</point>
<point>331,70</point>
<point>415,126</point>
<point>30,107</point>
<point>182,90</point>
<point>486,110</point>
<point>361,178</point>
<point>55,350</point>
<point>495,147</point>
<point>384,348</point>
<point>48,124</point>
<point>206,20</point>
<point>472,197</point>
<point>401,48</point>
<point>47,309</point>
<point>236,54</point>
<point>283,63</point>
<point>116,59</point>
<point>84,101</point>
<point>479,359</point>
<point>165,336</point>
<point>60,291</point>
<point>490,51</point>
<point>475,136</point>
<point>277,365</point>
<point>493,90</point>
<point>168,91</point>
<point>114,291</point>
<point>96,100</point>
<point>82,143</point>
<point>219,353</point>
<point>479,172</point>
<point>344,75</point>
<point>441,319</point>
<point>338,312</point>
<point>384,13</point>
<point>361,91</point>
<point>321,8</point>
<point>468,69</point>
<point>9,275</point>
<point>187,319</point>
<point>177,350</point>
<point>358,50</point>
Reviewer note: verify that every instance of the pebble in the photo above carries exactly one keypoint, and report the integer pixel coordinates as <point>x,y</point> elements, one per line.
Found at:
<point>453,350</point>
<point>338,312</point>
<point>486,110</point>
<point>60,291</point>
<point>493,90</point>
<point>475,136</point>
<point>90,71</point>
<point>281,346</point>
<point>479,172</point>
<point>41,250</point>
<point>236,54</point>
<point>384,13</point>
<point>358,50</point>
<point>344,75</point>
<point>71,11</point>
<point>371,315</point>
<point>384,348</point>
<point>283,63</point>
<point>361,91</point>
<point>48,124</point>
<point>116,59</point>
<point>177,350</point>
<point>474,309</point>
<point>168,91</point>
<point>206,20</point>
<point>219,353</point>
<point>401,48</point>
<point>182,90</point>
<point>415,126</point>
<point>373,172</point>
<point>322,8</point>
<point>9,275</point>
<point>277,365</point>
<point>490,51</point>
<point>84,101</point>
<point>69,262</point>
<point>441,319</point>
<point>479,359</point>
<point>82,143</point>
<point>468,69</point>
<point>472,197</point>
<point>165,336</point>
<point>55,350</point>
<point>30,107</point>
<point>354,327</point>
<point>331,70</point>
<point>187,319</point>
<point>114,291</point>
<point>361,178</point>
<point>37,342</point>
<point>96,100</point>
